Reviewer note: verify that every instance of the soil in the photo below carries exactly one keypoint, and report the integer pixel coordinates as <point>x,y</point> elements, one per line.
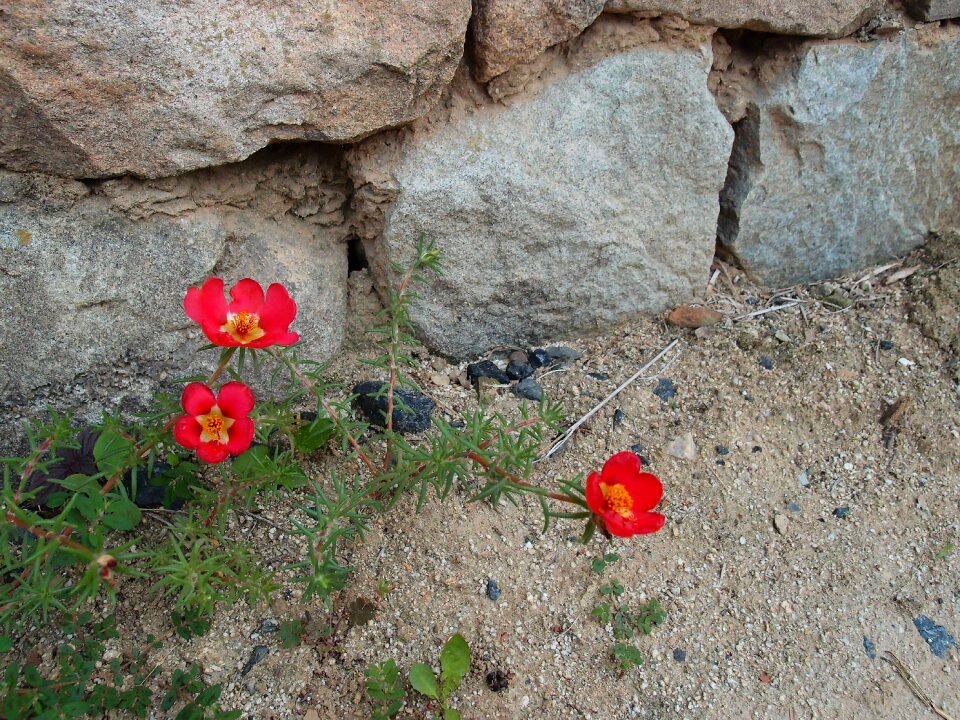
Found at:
<point>770,586</point>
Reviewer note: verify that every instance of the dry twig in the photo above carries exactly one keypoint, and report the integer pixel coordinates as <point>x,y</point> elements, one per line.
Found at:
<point>914,686</point>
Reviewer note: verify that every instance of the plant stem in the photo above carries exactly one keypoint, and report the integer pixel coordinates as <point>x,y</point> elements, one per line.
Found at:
<point>392,354</point>
<point>227,357</point>
<point>482,462</point>
<point>45,534</point>
<point>310,385</point>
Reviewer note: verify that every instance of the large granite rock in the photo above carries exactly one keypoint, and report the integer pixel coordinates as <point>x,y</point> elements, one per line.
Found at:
<point>506,33</point>
<point>93,88</point>
<point>828,18</point>
<point>930,10</point>
<point>848,156</point>
<point>92,298</point>
<point>594,199</point>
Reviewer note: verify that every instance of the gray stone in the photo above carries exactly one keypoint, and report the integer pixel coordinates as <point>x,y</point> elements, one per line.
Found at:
<point>848,156</point>
<point>930,10</point>
<point>94,88</point>
<point>831,18</point>
<point>593,200</point>
<point>92,298</point>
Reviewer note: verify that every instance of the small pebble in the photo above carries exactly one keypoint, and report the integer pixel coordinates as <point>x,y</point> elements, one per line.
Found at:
<point>498,680</point>
<point>269,625</point>
<point>529,389</point>
<point>804,479</point>
<point>720,461</point>
<point>869,648</point>
<point>886,345</point>
<point>493,590</point>
<point>519,370</point>
<point>259,653</point>
<point>937,637</point>
<point>413,418</point>
<point>679,654</point>
<point>841,512</point>
<point>617,418</point>
<point>538,358</point>
<point>486,368</point>
<point>793,507</point>
<point>766,363</point>
<point>781,523</point>
<point>562,354</point>
<point>682,447</point>
<point>757,448</point>
<point>723,450</point>
<point>665,389</point>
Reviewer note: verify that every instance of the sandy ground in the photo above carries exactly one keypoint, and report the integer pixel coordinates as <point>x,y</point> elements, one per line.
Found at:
<point>769,592</point>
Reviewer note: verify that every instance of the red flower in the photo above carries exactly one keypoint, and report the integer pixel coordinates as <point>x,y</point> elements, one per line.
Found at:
<point>216,426</point>
<point>250,320</point>
<point>622,496</point>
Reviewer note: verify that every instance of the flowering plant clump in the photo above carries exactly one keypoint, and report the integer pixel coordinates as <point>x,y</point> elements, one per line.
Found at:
<point>621,497</point>
<point>78,512</point>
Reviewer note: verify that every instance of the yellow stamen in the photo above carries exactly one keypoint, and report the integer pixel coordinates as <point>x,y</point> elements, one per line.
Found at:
<point>214,426</point>
<point>617,499</point>
<point>244,327</point>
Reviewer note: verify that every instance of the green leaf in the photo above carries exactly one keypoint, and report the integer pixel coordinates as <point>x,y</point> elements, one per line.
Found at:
<point>6,644</point>
<point>454,663</point>
<point>314,435</point>
<point>451,714</point>
<point>209,696</point>
<point>113,453</point>
<point>423,681</point>
<point>122,514</point>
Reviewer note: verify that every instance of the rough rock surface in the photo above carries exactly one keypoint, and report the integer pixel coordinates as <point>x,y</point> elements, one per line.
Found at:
<point>92,299</point>
<point>505,33</point>
<point>109,87</point>
<point>830,18</point>
<point>564,212</point>
<point>929,10</point>
<point>849,156</point>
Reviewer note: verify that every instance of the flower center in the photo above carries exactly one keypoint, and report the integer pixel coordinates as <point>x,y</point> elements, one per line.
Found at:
<point>214,426</point>
<point>617,499</point>
<point>244,327</point>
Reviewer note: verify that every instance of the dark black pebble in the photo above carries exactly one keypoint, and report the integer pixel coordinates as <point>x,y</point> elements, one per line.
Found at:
<point>793,507</point>
<point>869,648</point>
<point>529,389</point>
<point>720,461</point>
<point>493,590</point>
<point>665,389</point>
<point>841,512</point>
<point>757,448</point>
<point>259,653</point>
<point>486,368</point>
<point>753,301</point>
<point>886,344</point>
<point>413,419</point>
<point>937,637</point>
<point>269,625</point>
<point>538,358</point>
<point>562,354</point>
<point>519,370</point>
<point>722,450</point>
<point>617,418</point>
<point>497,680</point>
<point>766,363</point>
<point>679,654</point>
<point>599,375</point>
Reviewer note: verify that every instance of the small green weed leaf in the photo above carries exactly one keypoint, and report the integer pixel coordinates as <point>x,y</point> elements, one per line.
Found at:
<point>454,663</point>
<point>6,644</point>
<point>944,552</point>
<point>313,436</point>
<point>627,656</point>
<point>451,714</point>
<point>113,453</point>
<point>208,696</point>
<point>423,681</point>
<point>122,514</point>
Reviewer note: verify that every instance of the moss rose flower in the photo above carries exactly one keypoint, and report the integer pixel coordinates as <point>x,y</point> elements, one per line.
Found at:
<point>216,426</point>
<point>249,320</point>
<point>622,496</point>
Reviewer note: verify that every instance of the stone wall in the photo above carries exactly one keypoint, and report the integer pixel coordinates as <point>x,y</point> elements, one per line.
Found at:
<point>577,160</point>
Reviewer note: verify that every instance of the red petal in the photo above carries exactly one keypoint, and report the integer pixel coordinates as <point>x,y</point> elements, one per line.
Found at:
<point>247,295</point>
<point>275,338</point>
<point>640,524</point>
<point>197,399</point>
<point>187,432</point>
<point>235,400</point>
<point>241,435</point>
<point>620,467</point>
<point>217,336</point>
<point>207,304</point>
<point>212,452</point>
<point>594,494</point>
<point>278,310</point>
<point>645,489</point>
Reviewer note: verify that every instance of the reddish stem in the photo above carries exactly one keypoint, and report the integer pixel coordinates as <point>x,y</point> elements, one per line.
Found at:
<point>482,462</point>
<point>45,534</point>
